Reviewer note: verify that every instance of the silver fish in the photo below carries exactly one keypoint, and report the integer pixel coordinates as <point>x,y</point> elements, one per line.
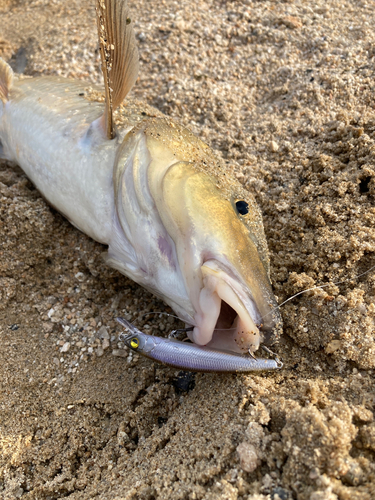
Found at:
<point>191,357</point>
<point>129,177</point>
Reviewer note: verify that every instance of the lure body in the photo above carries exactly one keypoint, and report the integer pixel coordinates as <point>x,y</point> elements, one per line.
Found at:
<point>191,357</point>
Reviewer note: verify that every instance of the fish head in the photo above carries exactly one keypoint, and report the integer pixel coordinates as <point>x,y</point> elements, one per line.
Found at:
<point>218,232</point>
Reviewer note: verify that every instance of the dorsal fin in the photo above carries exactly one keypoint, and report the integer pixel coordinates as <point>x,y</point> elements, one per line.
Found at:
<point>119,56</point>
<point>6,80</point>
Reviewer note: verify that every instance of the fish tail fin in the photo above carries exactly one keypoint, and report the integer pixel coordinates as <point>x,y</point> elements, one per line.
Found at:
<point>119,55</point>
<point>6,80</point>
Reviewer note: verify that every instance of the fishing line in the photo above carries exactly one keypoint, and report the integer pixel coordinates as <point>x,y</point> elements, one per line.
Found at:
<point>183,321</point>
<point>318,287</point>
<point>161,312</point>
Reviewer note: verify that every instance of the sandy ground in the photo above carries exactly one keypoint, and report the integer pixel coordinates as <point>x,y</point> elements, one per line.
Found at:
<point>285,92</point>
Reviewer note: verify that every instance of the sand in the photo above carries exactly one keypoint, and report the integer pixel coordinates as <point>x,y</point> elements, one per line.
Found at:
<point>284,91</point>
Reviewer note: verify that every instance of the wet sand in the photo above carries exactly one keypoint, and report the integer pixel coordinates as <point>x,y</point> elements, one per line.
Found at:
<point>285,93</point>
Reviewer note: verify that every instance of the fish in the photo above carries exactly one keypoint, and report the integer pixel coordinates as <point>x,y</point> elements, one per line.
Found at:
<point>191,357</point>
<point>173,218</point>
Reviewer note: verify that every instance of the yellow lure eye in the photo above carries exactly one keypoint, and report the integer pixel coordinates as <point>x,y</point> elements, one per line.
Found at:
<point>134,343</point>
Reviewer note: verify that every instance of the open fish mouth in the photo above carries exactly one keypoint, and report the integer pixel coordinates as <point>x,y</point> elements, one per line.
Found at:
<point>229,318</point>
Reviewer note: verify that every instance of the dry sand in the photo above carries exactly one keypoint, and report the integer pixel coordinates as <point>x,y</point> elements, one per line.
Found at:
<point>285,92</point>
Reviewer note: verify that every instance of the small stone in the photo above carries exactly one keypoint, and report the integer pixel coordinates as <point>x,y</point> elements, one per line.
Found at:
<point>48,327</point>
<point>267,481</point>
<point>105,344</point>
<point>248,456</point>
<point>292,22</point>
<point>120,352</point>
<point>65,347</point>
<point>279,493</point>
<point>180,25</point>
<point>361,307</point>
<point>122,438</point>
<point>90,350</point>
<point>333,346</point>
<point>323,495</point>
<point>51,300</point>
<point>362,413</point>
<point>274,147</point>
<point>18,493</point>
<point>103,333</point>
<point>99,352</point>
<point>354,476</point>
<point>116,301</point>
<point>255,434</point>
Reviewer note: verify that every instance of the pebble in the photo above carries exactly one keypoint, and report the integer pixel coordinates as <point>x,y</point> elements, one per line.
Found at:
<point>120,352</point>
<point>65,347</point>
<point>292,22</point>
<point>354,476</point>
<point>279,493</point>
<point>48,327</point>
<point>274,147</point>
<point>248,456</point>
<point>105,344</point>
<point>333,346</point>
<point>103,333</point>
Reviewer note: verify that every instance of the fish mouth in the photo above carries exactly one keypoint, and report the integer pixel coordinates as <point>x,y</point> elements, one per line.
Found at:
<point>228,317</point>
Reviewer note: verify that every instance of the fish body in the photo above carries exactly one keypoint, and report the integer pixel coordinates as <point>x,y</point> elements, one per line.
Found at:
<point>156,194</point>
<point>46,129</point>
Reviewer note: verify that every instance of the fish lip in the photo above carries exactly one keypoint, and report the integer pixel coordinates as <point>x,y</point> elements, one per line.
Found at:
<point>248,311</point>
<point>237,284</point>
<point>222,294</point>
<point>270,324</point>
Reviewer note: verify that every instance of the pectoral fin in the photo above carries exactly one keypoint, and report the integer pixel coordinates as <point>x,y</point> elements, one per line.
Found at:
<point>119,56</point>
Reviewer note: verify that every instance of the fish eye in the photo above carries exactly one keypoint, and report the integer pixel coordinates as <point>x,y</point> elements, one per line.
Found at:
<point>134,343</point>
<point>242,207</point>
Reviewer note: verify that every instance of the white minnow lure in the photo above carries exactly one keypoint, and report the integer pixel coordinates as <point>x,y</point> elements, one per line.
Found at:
<point>191,357</point>
<point>174,219</point>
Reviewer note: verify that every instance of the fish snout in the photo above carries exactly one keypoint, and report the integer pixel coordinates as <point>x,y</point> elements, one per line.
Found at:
<point>229,317</point>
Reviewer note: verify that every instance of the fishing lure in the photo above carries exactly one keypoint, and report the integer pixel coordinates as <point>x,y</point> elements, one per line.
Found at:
<point>191,357</point>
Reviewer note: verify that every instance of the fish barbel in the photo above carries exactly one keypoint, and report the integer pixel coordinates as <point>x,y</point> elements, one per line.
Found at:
<point>129,177</point>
